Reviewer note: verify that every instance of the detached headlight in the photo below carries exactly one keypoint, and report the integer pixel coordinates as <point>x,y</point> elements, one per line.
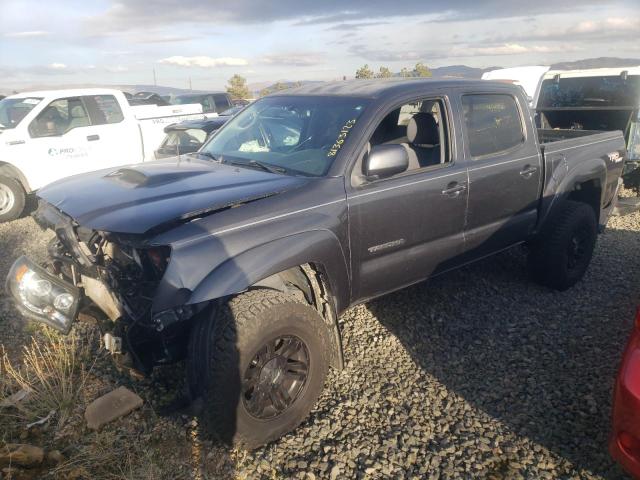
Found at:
<point>42,296</point>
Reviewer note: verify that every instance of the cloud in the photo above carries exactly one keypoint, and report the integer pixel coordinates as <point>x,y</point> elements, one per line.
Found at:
<point>455,52</point>
<point>300,59</point>
<point>57,66</point>
<point>116,69</point>
<point>131,15</point>
<point>613,28</point>
<point>165,39</point>
<point>353,27</point>
<point>508,49</point>
<point>203,61</point>
<point>29,34</point>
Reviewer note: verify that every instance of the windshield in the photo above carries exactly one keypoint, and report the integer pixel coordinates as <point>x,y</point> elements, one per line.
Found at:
<point>612,91</point>
<point>13,110</point>
<point>298,135</point>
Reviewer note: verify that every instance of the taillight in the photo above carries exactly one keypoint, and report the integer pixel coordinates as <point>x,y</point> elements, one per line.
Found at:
<point>637,322</point>
<point>630,443</point>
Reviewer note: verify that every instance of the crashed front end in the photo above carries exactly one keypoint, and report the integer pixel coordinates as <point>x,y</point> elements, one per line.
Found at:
<point>109,277</point>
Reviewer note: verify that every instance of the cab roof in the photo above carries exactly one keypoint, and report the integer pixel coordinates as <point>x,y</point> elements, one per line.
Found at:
<point>380,87</point>
<point>67,92</point>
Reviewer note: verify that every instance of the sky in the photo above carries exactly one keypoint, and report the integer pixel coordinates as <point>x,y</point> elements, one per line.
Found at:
<point>67,42</point>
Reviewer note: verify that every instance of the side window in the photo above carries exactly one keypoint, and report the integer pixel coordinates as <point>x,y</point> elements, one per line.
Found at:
<point>207,104</point>
<point>421,128</point>
<point>103,109</point>
<point>492,122</point>
<point>222,102</point>
<point>59,117</point>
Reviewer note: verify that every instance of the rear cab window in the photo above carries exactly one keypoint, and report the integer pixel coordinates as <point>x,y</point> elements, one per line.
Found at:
<point>103,109</point>
<point>191,137</point>
<point>493,124</point>
<point>222,102</point>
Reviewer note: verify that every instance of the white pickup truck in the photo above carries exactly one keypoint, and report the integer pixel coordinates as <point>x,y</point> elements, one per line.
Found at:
<point>49,135</point>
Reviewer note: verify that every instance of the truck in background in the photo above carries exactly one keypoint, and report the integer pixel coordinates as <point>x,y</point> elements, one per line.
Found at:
<point>49,135</point>
<point>528,78</point>
<point>603,99</point>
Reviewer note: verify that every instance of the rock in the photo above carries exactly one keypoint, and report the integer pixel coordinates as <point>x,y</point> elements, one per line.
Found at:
<point>111,406</point>
<point>335,472</point>
<point>21,454</point>
<point>54,457</point>
<point>15,398</point>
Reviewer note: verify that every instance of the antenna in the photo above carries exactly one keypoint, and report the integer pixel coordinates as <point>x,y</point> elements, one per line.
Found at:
<point>190,87</point>
<point>155,83</point>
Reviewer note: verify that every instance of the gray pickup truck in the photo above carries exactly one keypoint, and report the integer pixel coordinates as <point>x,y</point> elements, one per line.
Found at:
<point>241,257</point>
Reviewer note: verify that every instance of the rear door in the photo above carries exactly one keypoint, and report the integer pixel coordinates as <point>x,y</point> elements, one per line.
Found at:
<point>505,171</point>
<point>405,228</point>
<point>115,138</point>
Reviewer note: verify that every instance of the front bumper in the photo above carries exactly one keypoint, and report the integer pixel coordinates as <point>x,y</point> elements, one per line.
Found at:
<point>42,296</point>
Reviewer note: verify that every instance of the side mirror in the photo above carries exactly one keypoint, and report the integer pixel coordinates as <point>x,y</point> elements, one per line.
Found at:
<point>385,161</point>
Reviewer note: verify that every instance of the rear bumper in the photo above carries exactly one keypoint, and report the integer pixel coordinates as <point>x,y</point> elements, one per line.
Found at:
<point>624,443</point>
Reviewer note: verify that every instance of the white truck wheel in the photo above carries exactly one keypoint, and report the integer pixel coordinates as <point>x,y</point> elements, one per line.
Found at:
<point>12,199</point>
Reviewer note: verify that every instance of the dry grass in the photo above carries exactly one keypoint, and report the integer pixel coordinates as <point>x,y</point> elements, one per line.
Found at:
<point>54,372</point>
<point>59,374</point>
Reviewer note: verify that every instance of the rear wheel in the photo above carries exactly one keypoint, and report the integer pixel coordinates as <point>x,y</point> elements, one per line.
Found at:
<point>12,199</point>
<point>561,256</point>
<point>259,364</point>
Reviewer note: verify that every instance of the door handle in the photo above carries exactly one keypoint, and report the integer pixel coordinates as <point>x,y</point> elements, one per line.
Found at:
<point>454,189</point>
<point>93,138</point>
<point>527,171</point>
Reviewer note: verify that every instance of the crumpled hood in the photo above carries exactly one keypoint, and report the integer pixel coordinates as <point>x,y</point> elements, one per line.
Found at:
<point>134,199</point>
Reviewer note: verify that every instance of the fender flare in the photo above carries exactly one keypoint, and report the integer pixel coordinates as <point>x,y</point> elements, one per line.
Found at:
<point>245,269</point>
<point>9,170</point>
<point>593,169</point>
<point>320,248</point>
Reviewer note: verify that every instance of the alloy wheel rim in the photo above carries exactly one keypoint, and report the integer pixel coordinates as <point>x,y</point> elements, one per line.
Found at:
<point>275,377</point>
<point>7,199</point>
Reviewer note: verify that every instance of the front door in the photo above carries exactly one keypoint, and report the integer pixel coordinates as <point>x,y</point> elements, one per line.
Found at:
<point>60,142</point>
<point>405,228</point>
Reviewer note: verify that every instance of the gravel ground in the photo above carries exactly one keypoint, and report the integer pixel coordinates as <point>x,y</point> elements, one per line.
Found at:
<point>476,374</point>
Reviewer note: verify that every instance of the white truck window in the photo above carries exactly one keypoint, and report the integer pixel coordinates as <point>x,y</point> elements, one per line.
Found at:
<point>59,117</point>
<point>103,109</point>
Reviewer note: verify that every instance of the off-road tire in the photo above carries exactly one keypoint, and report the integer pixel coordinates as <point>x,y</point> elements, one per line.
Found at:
<point>225,339</point>
<point>9,186</point>
<point>553,260</point>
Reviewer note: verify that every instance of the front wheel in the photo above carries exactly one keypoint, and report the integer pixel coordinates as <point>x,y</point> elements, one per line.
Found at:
<point>12,199</point>
<point>561,256</point>
<point>259,364</point>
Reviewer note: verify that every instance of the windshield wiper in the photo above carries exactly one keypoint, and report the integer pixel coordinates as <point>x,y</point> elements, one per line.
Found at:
<point>208,155</point>
<point>267,167</point>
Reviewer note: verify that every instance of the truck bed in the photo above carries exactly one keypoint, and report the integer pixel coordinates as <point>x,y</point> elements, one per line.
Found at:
<point>547,135</point>
<point>558,140</point>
